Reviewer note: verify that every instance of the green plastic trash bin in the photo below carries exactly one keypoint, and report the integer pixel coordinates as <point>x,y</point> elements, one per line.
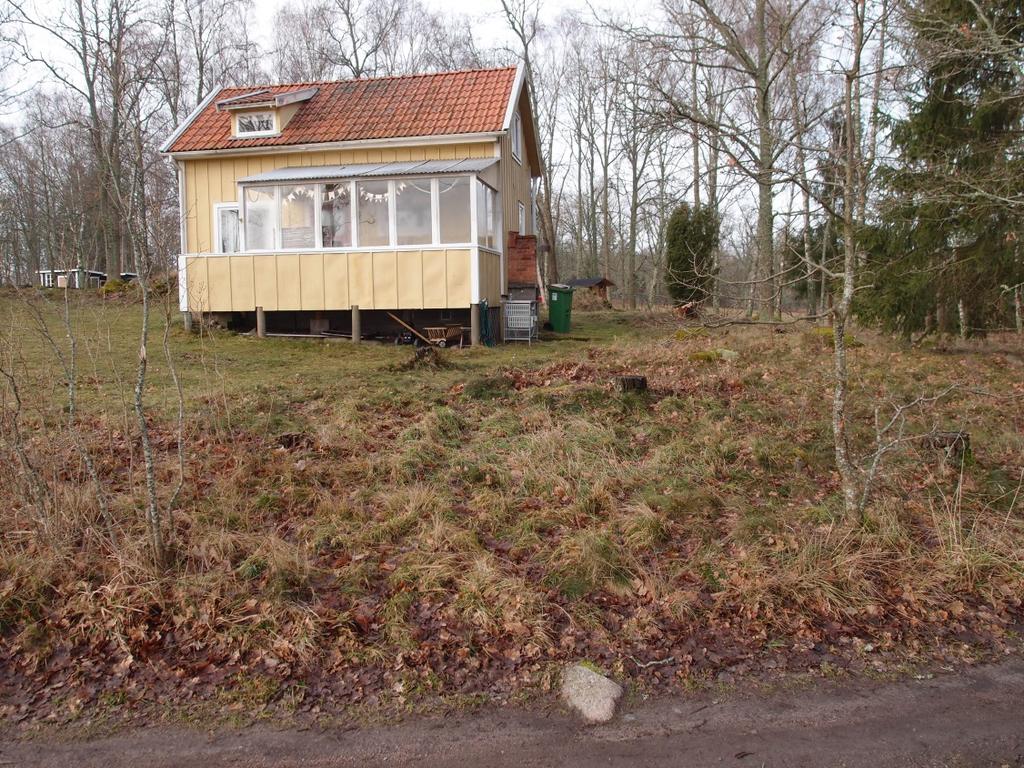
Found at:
<point>559,307</point>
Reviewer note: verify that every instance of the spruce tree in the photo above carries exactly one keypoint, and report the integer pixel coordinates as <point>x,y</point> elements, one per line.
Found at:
<point>691,240</point>
<point>946,245</point>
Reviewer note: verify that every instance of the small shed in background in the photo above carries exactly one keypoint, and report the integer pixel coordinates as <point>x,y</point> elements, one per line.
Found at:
<point>73,278</point>
<point>596,285</point>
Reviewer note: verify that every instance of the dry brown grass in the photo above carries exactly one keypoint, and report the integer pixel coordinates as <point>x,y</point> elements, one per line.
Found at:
<point>367,528</point>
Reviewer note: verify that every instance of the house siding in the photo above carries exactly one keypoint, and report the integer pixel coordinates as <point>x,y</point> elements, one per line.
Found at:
<point>515,187</point>
<point>515,183</point>
<point>431,278</point>
<point>383,279</point>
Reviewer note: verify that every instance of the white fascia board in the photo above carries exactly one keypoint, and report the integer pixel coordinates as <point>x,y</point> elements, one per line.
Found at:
<point>165,148</point>
<point>399,141</point>
<point>517,89</point>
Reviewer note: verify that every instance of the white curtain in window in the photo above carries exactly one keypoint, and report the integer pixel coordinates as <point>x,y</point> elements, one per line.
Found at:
<point>227,224</point>
<point>336,215</point>
<point>260,209</point>
<point>298,217</point>
<point>486,215</point>
<point>374,218</point>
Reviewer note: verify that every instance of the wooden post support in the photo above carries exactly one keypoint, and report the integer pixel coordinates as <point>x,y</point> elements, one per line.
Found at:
<point>474,325</point>
<point>261,323</point>
<point>186,320</point>
<point>357,326</point>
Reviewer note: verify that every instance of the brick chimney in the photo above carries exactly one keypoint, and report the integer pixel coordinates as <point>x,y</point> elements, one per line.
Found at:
<point>522,260</point>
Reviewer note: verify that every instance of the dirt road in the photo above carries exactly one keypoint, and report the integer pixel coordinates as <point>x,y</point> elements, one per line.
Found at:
<point>973,718</point>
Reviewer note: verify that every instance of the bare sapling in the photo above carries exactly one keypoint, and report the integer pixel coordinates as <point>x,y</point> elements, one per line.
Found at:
<point>37,494</point>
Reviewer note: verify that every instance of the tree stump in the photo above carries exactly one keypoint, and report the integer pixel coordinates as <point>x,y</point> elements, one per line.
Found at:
<point>632,383</point>
<point>424,357</point>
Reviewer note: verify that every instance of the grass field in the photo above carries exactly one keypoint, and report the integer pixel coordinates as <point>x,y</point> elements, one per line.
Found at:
<point>351,532</point>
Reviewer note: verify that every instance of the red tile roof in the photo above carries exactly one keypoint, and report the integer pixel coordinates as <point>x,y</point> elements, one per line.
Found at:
<point>445,103</point>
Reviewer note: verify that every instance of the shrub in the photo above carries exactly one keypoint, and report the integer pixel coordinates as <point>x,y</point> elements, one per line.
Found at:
<point>691,243</point>
<point>826,336</point>
<point>112,286</point>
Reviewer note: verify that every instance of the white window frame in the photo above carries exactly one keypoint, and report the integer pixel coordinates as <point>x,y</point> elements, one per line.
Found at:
<point>239,134</point>
<point>352,229</point>
<point>217,208</point>
<point>278,229</point>
<point>522,218</point>
<point>497,218</point>
<point>392,206</point>
<point>318,185</point>
<point>517,137</point>
<point>435,211</point>
<point>276,234</point>
<point>392,215</point>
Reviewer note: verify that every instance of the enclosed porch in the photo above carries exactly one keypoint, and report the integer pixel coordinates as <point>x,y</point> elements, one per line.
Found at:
<point>392,236</point>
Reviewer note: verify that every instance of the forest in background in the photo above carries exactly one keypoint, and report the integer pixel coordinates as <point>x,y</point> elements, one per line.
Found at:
<point>734,107</point>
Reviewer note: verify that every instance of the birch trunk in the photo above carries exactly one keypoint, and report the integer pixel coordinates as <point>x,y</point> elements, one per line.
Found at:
<point>854,496</point>
<point>1018,308</point>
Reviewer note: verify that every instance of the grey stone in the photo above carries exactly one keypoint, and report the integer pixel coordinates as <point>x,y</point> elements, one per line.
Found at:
<point>728,354</point>
<point>590,694</point>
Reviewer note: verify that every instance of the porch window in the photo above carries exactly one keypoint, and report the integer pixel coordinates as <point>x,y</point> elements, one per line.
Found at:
<point>453,201</point>
<point>362,213</point>
<point>413,211</point>
<point>517,137</point>
<point>486,216</point>
<point>298,216</point>
<point>374,222</point>
<point>260,218</point>
<point>227,228</point>
<point>336,215</point>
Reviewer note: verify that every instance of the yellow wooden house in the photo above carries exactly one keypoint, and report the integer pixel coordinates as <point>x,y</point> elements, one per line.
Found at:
<point>310,205</point>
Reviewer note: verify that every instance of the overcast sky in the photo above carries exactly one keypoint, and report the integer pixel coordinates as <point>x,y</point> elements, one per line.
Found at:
<point>489,29</point>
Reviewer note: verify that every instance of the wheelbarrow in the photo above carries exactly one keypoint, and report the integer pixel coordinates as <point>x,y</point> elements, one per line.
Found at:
<point>444,335</point>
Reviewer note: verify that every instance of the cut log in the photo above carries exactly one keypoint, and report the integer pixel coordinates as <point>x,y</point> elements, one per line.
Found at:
<point>632,383</point>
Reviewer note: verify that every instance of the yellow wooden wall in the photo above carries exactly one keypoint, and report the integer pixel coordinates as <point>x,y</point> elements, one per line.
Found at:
<point>215,180</point>
<point>414,279</point>
<point>515,184</point>
<point>490,277</point>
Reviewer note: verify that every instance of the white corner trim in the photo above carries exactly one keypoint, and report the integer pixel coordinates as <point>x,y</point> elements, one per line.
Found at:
<point>166,146</point>
<point>517,88</point>
<point>474,275</point>
<point>182,227</point>
<point>182,282</point>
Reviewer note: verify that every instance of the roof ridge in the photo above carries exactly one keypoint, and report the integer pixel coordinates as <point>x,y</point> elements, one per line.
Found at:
<point>410,76</point>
